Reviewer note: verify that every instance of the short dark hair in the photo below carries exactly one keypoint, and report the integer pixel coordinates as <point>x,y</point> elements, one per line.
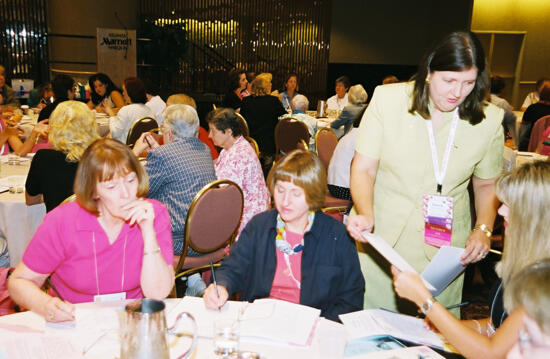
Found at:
<point>457,51</point>
<point>225,118</point>
<point>234,79</point>
<point>545,92</point>
<point>344,80</point>
<point>135,88</point>
<point>541,81</point>
<point>497,84</point>
<point>61,84</point>
<point>104,79</point>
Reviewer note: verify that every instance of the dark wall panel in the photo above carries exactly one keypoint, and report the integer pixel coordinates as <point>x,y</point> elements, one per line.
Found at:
<point>257,35</point>
<point>23,42</point>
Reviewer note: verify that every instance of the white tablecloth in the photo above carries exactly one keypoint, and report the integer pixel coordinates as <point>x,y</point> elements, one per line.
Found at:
<point>28,326</point>
<point>17,220</point>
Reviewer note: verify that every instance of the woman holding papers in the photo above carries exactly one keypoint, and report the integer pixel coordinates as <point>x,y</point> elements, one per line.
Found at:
<point>418,146</point>
<point>525,194</point>
<point>294,252</point>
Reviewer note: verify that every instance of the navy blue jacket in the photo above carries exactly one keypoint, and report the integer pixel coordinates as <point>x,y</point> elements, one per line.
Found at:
<point>331,277</point>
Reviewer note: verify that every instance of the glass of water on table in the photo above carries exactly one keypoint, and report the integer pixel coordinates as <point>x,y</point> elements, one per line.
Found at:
<point>226,338</point>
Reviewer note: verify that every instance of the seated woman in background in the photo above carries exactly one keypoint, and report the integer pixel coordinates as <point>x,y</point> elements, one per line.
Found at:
<point>261,111</point>
<point>294,252</point>
<point>357,103</point>
<point>533,113</point>
<point>72,128</point>
<point>534,96</point>
<point>136,97</point>
<point>291,89</point>
<point>111,243</point>
<point>237,84</point>
<point>238,162</point>
<point>104,94</point>
<point>529,291</point>
<point>525,194</point>
<point>339,168</point>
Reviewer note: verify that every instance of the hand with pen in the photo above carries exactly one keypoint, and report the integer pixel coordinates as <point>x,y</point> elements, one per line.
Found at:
<point>57,310</point>
<point>215,299</point>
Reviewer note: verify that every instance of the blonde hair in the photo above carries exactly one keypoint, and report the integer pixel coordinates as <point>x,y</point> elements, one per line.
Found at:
<point>526,192</point>
<point>261,83</point>
<point>72,129</point>
<point>530,289</point>
<point>181,99</point>
<point>305,170</point>
<point>102,161</point>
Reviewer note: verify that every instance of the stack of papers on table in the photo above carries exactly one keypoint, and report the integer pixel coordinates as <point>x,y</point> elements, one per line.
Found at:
<point>376,322</point>
<point>403,353</point>
<point>266,320</point>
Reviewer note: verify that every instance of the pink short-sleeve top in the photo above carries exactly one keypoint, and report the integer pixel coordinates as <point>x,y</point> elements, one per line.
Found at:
<point>72,246</point>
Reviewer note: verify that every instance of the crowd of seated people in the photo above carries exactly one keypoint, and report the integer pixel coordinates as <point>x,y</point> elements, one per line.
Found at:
<point>129,217</point>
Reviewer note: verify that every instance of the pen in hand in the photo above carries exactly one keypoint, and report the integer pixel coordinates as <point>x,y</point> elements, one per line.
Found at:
<point>215,283</point>
<point>148,143</point>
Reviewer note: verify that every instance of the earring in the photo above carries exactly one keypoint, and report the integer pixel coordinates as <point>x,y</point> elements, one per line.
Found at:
<point>427,79</point>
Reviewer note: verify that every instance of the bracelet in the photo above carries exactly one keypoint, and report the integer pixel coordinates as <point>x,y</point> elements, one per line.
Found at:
<point>152,252</point>
<point>427,305</point>
<point>484,229</point>
<point>478,326</point>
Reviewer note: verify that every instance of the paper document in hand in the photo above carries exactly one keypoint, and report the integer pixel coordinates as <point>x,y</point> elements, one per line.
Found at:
<point>265,320</point>
<point>391,255</point>
<point>372,322</point>
<point>444,267</point>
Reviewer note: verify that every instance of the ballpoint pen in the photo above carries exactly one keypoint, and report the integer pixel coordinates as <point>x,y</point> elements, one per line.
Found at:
<point>214,280</point>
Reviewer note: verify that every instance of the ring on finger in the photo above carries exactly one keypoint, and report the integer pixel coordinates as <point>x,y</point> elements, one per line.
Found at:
<point>50,316</point>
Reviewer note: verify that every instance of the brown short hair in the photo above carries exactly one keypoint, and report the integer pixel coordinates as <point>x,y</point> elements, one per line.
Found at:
<point>101,161</point>
<point>305,170</point>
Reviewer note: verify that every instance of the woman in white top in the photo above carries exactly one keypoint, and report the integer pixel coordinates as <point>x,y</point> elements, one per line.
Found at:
<point>134,93</point>
<point>340,100</point>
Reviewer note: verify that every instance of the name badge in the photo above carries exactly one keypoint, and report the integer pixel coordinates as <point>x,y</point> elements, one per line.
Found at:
<point>438,220</point>
<point>109,297</point>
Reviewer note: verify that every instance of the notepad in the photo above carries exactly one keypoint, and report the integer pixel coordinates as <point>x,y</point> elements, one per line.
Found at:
<point>264,320</point>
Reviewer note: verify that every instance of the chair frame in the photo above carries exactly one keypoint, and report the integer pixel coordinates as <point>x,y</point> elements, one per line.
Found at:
<point>302,141</point>
<point>319,132</point>
<point>244,124</point>
<point>134,124</point>
<point>188,219</point>
<point>254,145</point>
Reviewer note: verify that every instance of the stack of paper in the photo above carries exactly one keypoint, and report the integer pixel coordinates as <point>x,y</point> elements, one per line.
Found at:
<point>372,322</point>
<point>265,320</point>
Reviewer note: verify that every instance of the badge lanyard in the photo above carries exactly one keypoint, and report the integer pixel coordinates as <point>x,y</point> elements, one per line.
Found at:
<point>123,264</point>
<point>441,172</point>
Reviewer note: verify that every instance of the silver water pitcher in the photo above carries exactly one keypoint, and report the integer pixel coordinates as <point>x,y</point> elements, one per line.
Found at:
<point>143,331</point>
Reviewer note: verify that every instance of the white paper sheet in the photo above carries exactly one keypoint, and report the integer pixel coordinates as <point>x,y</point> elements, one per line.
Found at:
<point>444,267</point>
<point>371,322</point>
<point>403,353</point>
<point>36,346</point>
<point>391,255</point>
<point>269,320</point>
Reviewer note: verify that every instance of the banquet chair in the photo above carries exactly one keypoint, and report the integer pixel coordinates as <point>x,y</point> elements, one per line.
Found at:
<point>244,124</point>
<point>536,133</point>
<point>254,145</point>
<point>211,224</point>
<point>141,125</point>
<point>325,143</point>
<point>289,134</point>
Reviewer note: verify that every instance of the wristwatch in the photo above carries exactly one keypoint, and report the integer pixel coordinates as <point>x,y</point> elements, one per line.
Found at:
<point>427,305</point>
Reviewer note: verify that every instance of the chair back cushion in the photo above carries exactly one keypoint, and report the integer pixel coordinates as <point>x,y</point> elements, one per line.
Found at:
<point>325,143</point>
<point>139,126</point>
<point>214,216</point>
<point>289,132</point>
<point>536,134</point>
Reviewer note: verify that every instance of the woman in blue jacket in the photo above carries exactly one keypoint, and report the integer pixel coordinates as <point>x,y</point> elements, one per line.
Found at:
<point>294,252</point>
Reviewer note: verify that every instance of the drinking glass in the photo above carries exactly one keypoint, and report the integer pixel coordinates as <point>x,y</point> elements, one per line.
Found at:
<point>226,338</point>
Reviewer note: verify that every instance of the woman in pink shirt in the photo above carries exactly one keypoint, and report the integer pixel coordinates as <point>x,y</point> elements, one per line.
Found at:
<point>109,244</point>
<point>238,162</point>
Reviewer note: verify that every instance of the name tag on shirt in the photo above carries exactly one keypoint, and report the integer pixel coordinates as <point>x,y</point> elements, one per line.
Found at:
<point>438,220</point>
<point>109,297</point>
